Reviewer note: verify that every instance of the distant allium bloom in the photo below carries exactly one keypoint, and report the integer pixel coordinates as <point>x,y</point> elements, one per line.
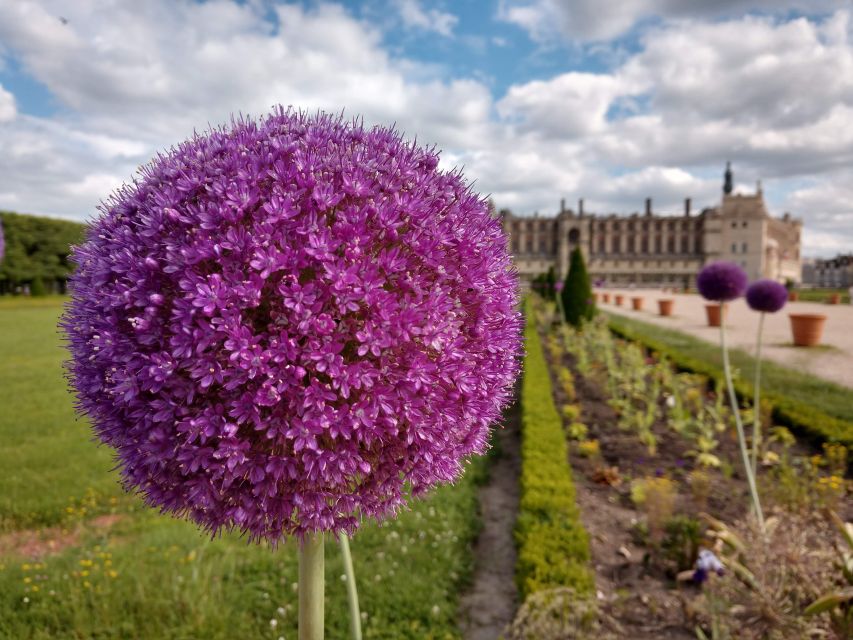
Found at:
<point>558,286</point>
<point>283,325</point>
<point>721,281</point>
<point>2,242</point>
<point>706,564</point>
<point>766,295</point>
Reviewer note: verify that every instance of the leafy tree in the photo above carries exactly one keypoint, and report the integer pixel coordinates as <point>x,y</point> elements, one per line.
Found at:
<point>37,251</point>
<point>577,291</point>
<point>550,279</point>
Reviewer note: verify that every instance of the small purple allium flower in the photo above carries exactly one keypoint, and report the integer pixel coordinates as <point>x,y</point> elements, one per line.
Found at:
<point>285,325</point>
<point>706,564</point>
<point>721,281</point>
<point>558,286</point>
<point>766,295</point>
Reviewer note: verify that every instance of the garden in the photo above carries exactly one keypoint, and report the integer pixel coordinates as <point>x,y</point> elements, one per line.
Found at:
<point>323,415</point>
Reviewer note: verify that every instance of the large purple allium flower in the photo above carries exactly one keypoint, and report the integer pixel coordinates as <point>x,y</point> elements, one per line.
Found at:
<point>285,325</point>
<point>721,281</point>
<point>766,295</point>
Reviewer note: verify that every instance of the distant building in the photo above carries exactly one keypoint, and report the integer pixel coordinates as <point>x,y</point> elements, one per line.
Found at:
<point>834,272</point>
<point>654,250</point>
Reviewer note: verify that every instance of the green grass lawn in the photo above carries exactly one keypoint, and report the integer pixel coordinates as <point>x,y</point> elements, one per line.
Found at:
<point>832,399</point>
<point>151,576</point>
<point>822,295</point>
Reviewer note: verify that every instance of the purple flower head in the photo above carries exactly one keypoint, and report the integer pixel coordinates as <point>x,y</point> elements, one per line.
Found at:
<point>2,242</point>
<point>285,325</point>
<point>558,286</point>
<point>721,281</point>
<point>766,295</point>
<point>706,564</point>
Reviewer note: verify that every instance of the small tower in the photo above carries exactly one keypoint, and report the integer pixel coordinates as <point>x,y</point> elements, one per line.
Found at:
<point>727,185</point>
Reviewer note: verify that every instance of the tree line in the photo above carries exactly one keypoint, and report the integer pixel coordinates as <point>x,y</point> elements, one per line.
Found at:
<point>37,251</point>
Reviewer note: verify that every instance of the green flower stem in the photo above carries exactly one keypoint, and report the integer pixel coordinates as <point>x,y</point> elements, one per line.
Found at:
<point>756,407</point>
<point>352,593</point>
<point>750,476</point>
<point>311,592</point>
<point>562,313</point>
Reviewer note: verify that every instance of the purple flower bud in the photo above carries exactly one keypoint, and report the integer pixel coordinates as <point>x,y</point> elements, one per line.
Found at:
<point>286,325</point>
<point>766,295</point>
<point>721,281</point>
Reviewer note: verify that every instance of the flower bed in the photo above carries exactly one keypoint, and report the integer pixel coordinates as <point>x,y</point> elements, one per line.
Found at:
<point>662,494</point>
<point>553,549</point>
<point>803,418</point>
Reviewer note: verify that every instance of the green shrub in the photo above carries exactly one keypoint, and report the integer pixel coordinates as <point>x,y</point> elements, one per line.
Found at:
<point>577,292</point>
<point>553,549</point>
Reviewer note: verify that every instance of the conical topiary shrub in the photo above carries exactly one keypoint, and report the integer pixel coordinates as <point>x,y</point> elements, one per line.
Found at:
<point>577,292</point>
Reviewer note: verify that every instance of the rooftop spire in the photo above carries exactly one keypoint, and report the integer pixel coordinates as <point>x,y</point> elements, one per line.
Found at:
<point>727,185</point>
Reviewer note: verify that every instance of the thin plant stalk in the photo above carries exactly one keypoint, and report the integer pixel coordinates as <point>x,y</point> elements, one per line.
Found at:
<point>352,592</point>
<point>750,476</point>
<point>562,313</point>
<point>756,409</point>
<point>311,583</point>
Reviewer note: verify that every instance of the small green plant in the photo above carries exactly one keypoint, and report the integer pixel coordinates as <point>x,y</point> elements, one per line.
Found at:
<point>681,542</point>
<point>699,482</point>
<point>658,504</point>
<point>567,383</point>
<point>577,431</point>
<point>571,412</point>
<point>589,449</point>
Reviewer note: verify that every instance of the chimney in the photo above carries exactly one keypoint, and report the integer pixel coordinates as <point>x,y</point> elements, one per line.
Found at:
<point>648,206</point>
<point>687,207</point>
<point>580,207</point>
<point>562,205</point>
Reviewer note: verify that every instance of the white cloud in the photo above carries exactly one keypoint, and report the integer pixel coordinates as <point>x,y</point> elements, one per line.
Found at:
<point>415,16</point>
<point>8,110</point>
<point>775,96</point>
<point>594,21</point>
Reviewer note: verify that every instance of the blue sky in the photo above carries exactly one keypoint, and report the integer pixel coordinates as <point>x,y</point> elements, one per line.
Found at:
<point>537,99</point>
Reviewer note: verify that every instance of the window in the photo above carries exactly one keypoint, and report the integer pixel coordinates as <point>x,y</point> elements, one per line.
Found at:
<point>734,247</point>
<point>657,244</point>
<point>631,245</point>
<point>601,248</point>
<point>644,244</point>
<point>670,245</point>
<point>743,248</point>
<point>743,224</point>
<point>734,224</point>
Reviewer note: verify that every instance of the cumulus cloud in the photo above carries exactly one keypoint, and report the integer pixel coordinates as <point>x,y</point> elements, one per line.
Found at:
<point>773,95</point>
<point>8,110</point>
<point>594,21</point>
<point>435,20</point>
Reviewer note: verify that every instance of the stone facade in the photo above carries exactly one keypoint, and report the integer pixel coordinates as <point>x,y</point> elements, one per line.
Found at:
<point>654,250</point>
<point>833,273</point>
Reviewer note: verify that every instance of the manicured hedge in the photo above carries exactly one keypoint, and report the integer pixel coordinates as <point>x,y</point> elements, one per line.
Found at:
<point>800,417</point>
<point>553,549</point>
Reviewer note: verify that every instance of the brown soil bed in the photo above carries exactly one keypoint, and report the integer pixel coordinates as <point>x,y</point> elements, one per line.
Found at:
<point>643,597</point>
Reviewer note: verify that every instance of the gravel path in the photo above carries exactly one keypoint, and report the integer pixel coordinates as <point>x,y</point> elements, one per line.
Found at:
<point>489,606</point>
<point>833,360</point>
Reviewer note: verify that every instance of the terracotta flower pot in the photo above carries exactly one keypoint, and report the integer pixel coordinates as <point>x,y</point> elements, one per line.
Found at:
<point>665,306</point>
<point>605,297</point>
<point>807,328</point>
<point>834,298</point>
<point>637,304</point>
<point>793,296</point>
<point>714,315</point>
<point>619,300</point>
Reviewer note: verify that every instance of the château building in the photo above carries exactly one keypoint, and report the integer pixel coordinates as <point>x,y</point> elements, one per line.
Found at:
<point>652,250</point>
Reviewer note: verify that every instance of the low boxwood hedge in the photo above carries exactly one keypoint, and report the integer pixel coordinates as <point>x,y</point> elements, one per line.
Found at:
<point>553,548</point>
